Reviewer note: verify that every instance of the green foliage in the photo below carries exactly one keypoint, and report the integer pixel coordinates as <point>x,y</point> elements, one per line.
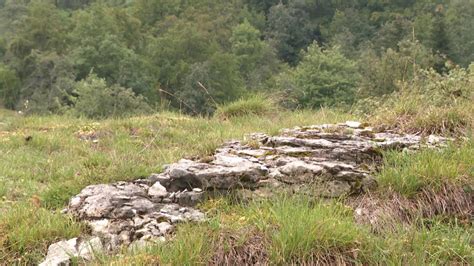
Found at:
<point>210,83</point>
<point>350,29</point>
<point>48,87</point>
<point>459,24</point>
<point>44,28</point>
<point>9,83</point>
<point>256,58</point>
<point>382,74</point>
<point>288,32</point>
<point>323,78</point>
<point>97,100</point>
<point>161,49</point>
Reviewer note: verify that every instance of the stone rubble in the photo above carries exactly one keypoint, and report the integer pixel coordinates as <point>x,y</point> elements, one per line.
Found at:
<point>333,160</point>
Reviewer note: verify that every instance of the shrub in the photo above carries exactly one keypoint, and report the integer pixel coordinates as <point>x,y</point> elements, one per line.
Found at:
<point>9,82</point>
<point>97,100</point>
<point>323,78</point>
<point>254,105</point>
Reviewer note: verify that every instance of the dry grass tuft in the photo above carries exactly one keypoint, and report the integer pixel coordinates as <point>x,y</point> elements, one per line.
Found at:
<point>386,212</point>
<point>332,257</point>
<point>241,249</point>
<point>250,249</point>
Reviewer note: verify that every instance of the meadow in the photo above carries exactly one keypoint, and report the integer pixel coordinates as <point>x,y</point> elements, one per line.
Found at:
<point>47,159</point>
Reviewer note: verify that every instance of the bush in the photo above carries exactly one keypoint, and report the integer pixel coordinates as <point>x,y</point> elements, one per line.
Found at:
<point>9,82</point>
<point>323,78</point>
<point>253,105</point>
<point>97,100</point>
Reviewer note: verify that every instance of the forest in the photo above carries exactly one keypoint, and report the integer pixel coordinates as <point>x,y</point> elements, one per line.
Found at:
<point>110,58</point>
<point>236,132</point>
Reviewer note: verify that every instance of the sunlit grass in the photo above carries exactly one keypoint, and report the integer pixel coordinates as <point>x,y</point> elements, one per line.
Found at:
<point>51,158</point>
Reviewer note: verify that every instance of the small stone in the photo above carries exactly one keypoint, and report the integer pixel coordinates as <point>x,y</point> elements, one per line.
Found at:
<point>165,227</point>
<point>60,253</point>
<point>197,190</point>
<point>88,249</point>
<point>299,167</point>
<point>353,124</point>
<point>75,202</point>
<point>99,226</point>
<point>190,198</point>
<point>157,191</point>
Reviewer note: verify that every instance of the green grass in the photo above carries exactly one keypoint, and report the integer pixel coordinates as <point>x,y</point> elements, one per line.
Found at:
<point>56,164</point>
<point>408,173</point>
<point>257,105</point>
<point>301,230</point>
<point>28,230</point>
<point>433,244</point>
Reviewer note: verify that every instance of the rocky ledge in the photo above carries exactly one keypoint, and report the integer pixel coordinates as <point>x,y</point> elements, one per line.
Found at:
<point>328,160</point>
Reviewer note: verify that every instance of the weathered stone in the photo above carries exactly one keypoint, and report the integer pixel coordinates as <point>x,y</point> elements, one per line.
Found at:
<point>165,227</point>
<point>157,191</point>
<point>88,249</point>
<point>62,252</point>
<point>353,124</point>
<point>163,179</point>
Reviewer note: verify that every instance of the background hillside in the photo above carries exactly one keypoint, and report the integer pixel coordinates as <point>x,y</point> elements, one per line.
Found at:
<point>112,57</point>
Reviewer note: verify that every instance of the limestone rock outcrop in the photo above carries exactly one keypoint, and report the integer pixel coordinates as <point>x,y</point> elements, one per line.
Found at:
<point>331,160</point>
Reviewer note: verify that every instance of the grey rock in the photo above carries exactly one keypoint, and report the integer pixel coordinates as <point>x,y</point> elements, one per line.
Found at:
<point>353,124</point>
<point>165,227</point>
<point>157,191</point>
<point>88,249</point>
<point>163,179</point>
<point>62,252</point>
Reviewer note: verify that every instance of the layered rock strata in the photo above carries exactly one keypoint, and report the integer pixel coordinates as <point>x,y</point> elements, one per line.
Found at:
<point>332,160</point>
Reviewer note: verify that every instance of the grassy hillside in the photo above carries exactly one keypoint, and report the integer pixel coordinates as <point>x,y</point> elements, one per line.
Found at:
<point>46,160</point>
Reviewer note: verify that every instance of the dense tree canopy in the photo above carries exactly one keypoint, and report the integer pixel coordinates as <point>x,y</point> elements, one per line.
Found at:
<point>193,55</point>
